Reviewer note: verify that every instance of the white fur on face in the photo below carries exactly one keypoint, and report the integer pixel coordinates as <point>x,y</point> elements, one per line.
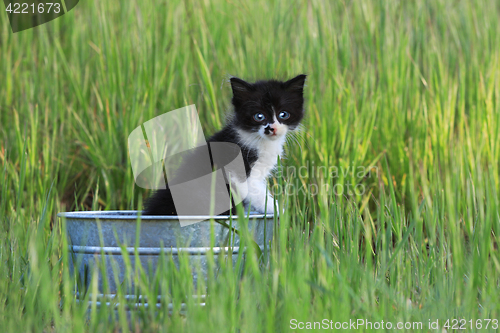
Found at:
<point>279,130</point>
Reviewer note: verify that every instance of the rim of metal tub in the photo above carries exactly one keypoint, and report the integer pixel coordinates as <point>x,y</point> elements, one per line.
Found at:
<point>133,214</point>
<point>153,250</point>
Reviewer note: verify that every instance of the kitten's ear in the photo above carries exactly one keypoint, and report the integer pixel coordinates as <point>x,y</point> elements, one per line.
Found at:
<point>296,84</point>
<point>239,86</point>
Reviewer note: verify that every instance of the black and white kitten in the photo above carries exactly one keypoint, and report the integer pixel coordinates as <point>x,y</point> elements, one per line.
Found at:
<point>264,112</point>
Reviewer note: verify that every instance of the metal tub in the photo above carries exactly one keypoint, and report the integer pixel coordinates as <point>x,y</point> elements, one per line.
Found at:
<point>96,232</point>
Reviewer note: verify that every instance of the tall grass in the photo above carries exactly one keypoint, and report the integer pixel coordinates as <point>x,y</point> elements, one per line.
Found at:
<point>407,90</point>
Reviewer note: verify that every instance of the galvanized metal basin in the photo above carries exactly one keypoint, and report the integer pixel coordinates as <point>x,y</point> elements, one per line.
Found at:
<point>95,232</point>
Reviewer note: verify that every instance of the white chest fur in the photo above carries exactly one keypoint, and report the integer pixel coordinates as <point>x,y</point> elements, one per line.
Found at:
<point>267,152</point>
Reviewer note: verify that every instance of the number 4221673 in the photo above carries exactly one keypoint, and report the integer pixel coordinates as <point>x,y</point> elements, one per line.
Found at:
<point>25,8</point>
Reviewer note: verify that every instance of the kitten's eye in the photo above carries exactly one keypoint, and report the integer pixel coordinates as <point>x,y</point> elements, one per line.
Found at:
<point>284,115</point>
<point>259,117</point>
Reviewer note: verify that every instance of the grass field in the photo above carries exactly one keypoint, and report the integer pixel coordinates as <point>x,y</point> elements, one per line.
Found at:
<point>407,90</point>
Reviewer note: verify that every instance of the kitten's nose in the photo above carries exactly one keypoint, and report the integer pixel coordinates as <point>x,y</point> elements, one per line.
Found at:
<point>270,130</point>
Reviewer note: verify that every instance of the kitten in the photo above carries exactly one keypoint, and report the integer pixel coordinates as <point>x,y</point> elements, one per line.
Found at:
<point>264,112</point>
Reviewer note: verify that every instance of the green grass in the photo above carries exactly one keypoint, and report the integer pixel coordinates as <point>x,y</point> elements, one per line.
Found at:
<point>410,88</point>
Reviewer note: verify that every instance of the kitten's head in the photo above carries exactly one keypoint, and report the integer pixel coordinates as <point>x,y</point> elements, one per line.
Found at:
<point>268,108</point>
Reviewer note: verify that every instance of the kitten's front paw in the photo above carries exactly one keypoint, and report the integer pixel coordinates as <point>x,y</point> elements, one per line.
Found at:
<point>278,210</point>
<point>270,205</point>
<point>264,208</point>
